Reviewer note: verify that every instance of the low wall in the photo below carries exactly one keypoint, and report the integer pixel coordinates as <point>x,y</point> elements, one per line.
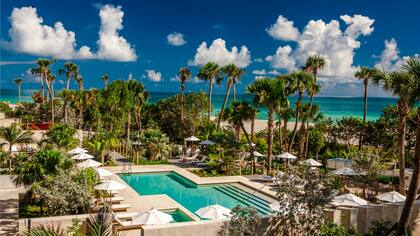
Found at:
<point>62,221</point>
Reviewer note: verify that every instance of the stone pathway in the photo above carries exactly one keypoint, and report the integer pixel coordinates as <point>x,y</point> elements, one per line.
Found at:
<point>9,206</point>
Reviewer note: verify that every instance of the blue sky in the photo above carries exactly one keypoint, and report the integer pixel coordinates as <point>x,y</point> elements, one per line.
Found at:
<point>270,37</point>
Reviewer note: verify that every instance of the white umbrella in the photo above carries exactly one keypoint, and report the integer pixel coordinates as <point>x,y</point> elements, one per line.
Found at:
<point>346,171</point>
<point>88,163</point>
<point>349,200</point>
<point>214,212</point>
<point>287,156</point>
<point>77,150</point>
<point>311,162</point>
<point>82,156</point>
<point>391,197</point>
<point>207,142</point>
<point>192,139</point>
<point>257,154</point>
<point>110,185</point>
<point>152,217</point>
<point>103,173</point>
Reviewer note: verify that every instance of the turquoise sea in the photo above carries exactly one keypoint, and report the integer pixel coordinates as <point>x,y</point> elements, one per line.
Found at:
<point>334,107</point>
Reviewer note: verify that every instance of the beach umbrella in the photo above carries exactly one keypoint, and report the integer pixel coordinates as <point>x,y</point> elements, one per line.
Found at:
<point>77,150</point>
<point>103,173</point>
<point>349,200</point>
<point>287,156</point>
<point>311,162</point>
<point>391,197</point>
<point>88,163</point>
<point>82,156</point>
<point>110,185</point>
<point>214,212</point>
<point>192,139</point>
<point>346,171</point>
<point>257,154</point>
<point>207,142</point>
<point>152,217</point>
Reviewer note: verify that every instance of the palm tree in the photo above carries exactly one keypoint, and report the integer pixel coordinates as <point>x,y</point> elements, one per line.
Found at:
<point>286,113</point>
<point>401,85</point>
<point>105,79</point>
<point>184,74</point>
<point>235,81</point>
<point>42,70</point>
<point>18,81</point>
<point>268,93</point>
<point>209,71</point>
<point>14,135</point>
<point>364,73</point>
<point>70,70</point>
<point>66,95</point>
<point>50,87</point>
<point>299,81</point>
<point>413,68</point>
<point>308,113</point>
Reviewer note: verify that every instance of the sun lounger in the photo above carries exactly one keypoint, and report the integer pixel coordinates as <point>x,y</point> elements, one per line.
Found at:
<point>120,207</point>
<point>124,225</point>
<point>125,215</point>
<point>114,199</point>
<point>194,157</point>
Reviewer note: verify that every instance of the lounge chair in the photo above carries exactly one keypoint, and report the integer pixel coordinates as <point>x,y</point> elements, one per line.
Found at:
<point>125,215</point>
<point>120,207</point>
<point>124,225</point>
<point>201,162</point>
<point>114,199</point>
<point>194,157</point>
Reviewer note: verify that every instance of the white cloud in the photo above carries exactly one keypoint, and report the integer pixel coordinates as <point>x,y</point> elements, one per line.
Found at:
<point>176,39</point>
<point>29,35</point>
<point>390,59</point>
<point>329,41</point>
<point>259,60</point>
<point>283,29</point>
<point>154,75</point>
<point>260,77</point>
<point>273,72</point>
<point>130,76</point>
<point>259,72</point>
<point>174,79</point>
<point>111,45</point>
<point>218,53</point>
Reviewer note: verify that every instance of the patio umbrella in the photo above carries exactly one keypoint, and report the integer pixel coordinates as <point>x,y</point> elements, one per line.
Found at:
<point>346,171</point>
<point>391,197</point>
<point>214,212</point>
<point>103,173</point>
<point>88,163</point>
<point>311,162</point>
<point>287,156</point>
<point>349,200</point>
<point>257,154</point>
<point>207,142</point>
<point>152,217</point>
<point>110,185</point>
<point>77,150</point>
<point>82,156</point>
<point>192,139</point>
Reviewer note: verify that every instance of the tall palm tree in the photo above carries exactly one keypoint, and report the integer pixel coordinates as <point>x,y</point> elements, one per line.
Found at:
<point>364,73</point>
<point>105,79</point>
<point>236,79</point>
<point>268,93</point>
<point>14,135</point>
<point>399,84</point>
<point>299,81</point>
<point>413,68</point>
<point>42,69</point>
<point>184,74</point>
<point>50,87</point>
<point>70,70</point>
<point>210,72</point>
<point>18,82</point>
<point>286,113</point>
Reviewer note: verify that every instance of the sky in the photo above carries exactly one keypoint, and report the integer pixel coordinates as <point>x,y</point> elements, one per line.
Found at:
<point>150,40</point>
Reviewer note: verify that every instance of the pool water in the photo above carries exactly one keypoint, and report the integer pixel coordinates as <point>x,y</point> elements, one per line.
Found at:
<point>192,196</point>
<point>179,216</point>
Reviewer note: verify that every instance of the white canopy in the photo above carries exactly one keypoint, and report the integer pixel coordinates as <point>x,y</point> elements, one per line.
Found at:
<point>346,171</point>
<point>82,156</point>
<point>207,142</point>
<point>349,200</point>
<point>192,139</point>
<point>110,185</point>
<point>214,212</point>
<point>103,173</point>
<point>152,217</point>
<point>257,154</point>
<point>77,150</point>
<point>391,197</point>
<point>88,163</point>
<point>311,162</point>
<point>287,156</point>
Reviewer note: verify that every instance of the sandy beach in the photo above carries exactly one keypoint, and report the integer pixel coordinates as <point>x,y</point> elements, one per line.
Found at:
<point>260,125</point>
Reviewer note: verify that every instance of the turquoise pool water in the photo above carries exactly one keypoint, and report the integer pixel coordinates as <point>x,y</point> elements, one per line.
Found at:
<point>193,196</point>
<point>179,216</point>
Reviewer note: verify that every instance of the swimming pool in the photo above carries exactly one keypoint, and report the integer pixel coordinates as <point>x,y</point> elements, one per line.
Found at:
<point>191,195</point>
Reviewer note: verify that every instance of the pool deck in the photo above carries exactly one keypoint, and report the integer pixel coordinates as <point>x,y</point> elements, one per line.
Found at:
<point>141,203</point>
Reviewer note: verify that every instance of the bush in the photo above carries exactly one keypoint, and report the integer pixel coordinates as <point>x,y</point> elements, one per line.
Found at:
<point>331,229</point>
<point>379,228</point>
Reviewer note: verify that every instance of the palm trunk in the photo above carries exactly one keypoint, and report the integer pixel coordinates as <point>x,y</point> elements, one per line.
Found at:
<point>10,158</point>
<point>65,110</point>
<point>234,90</point>
<point>128,125</point>
<point>280,137</point>
<point>224,104</point>
<point>50,91</point>
<point>401,153</point>
<point>407,211</point>
<point>252,129</point>
<point>182,106</point>
<point>210,93</point>
<point>19,93</point>
<point>302,138</point>
<point>307,127</point>
<point>364,114</point>
<point>286,121</point>
<point>67,83</point>
<point>270,124</point>
<point>42,88</point>
<point>296,122</point>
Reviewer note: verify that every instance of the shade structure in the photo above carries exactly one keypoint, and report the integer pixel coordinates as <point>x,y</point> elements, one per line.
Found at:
<point>391,197</point>
<point>349,200</point>
<point>207,142</point>
<point>311,162</point>
<point>257,154</point>
<point>110,185</point>
<point>192,139</point>
<point>346,171</point>
<point>77,150</point>
<point>214,212</point>
<point>88,163</point>
<point>82,156</point>
<point>103,173</point>
<point>152,217</point>
<point>287,156</point>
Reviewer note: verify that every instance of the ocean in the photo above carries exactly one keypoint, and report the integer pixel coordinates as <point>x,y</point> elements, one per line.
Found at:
<point>333,107</point>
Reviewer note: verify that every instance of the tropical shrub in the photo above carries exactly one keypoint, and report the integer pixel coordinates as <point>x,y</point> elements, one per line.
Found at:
<point>244,221</point>
<point>61,136</point>
<point>331,229</point>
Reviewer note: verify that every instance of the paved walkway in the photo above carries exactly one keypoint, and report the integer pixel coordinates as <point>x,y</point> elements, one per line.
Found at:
<point>9,206</point>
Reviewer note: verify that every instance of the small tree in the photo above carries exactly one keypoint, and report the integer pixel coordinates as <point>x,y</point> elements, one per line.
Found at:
<point>367,165</point>
<point>244,222</point>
